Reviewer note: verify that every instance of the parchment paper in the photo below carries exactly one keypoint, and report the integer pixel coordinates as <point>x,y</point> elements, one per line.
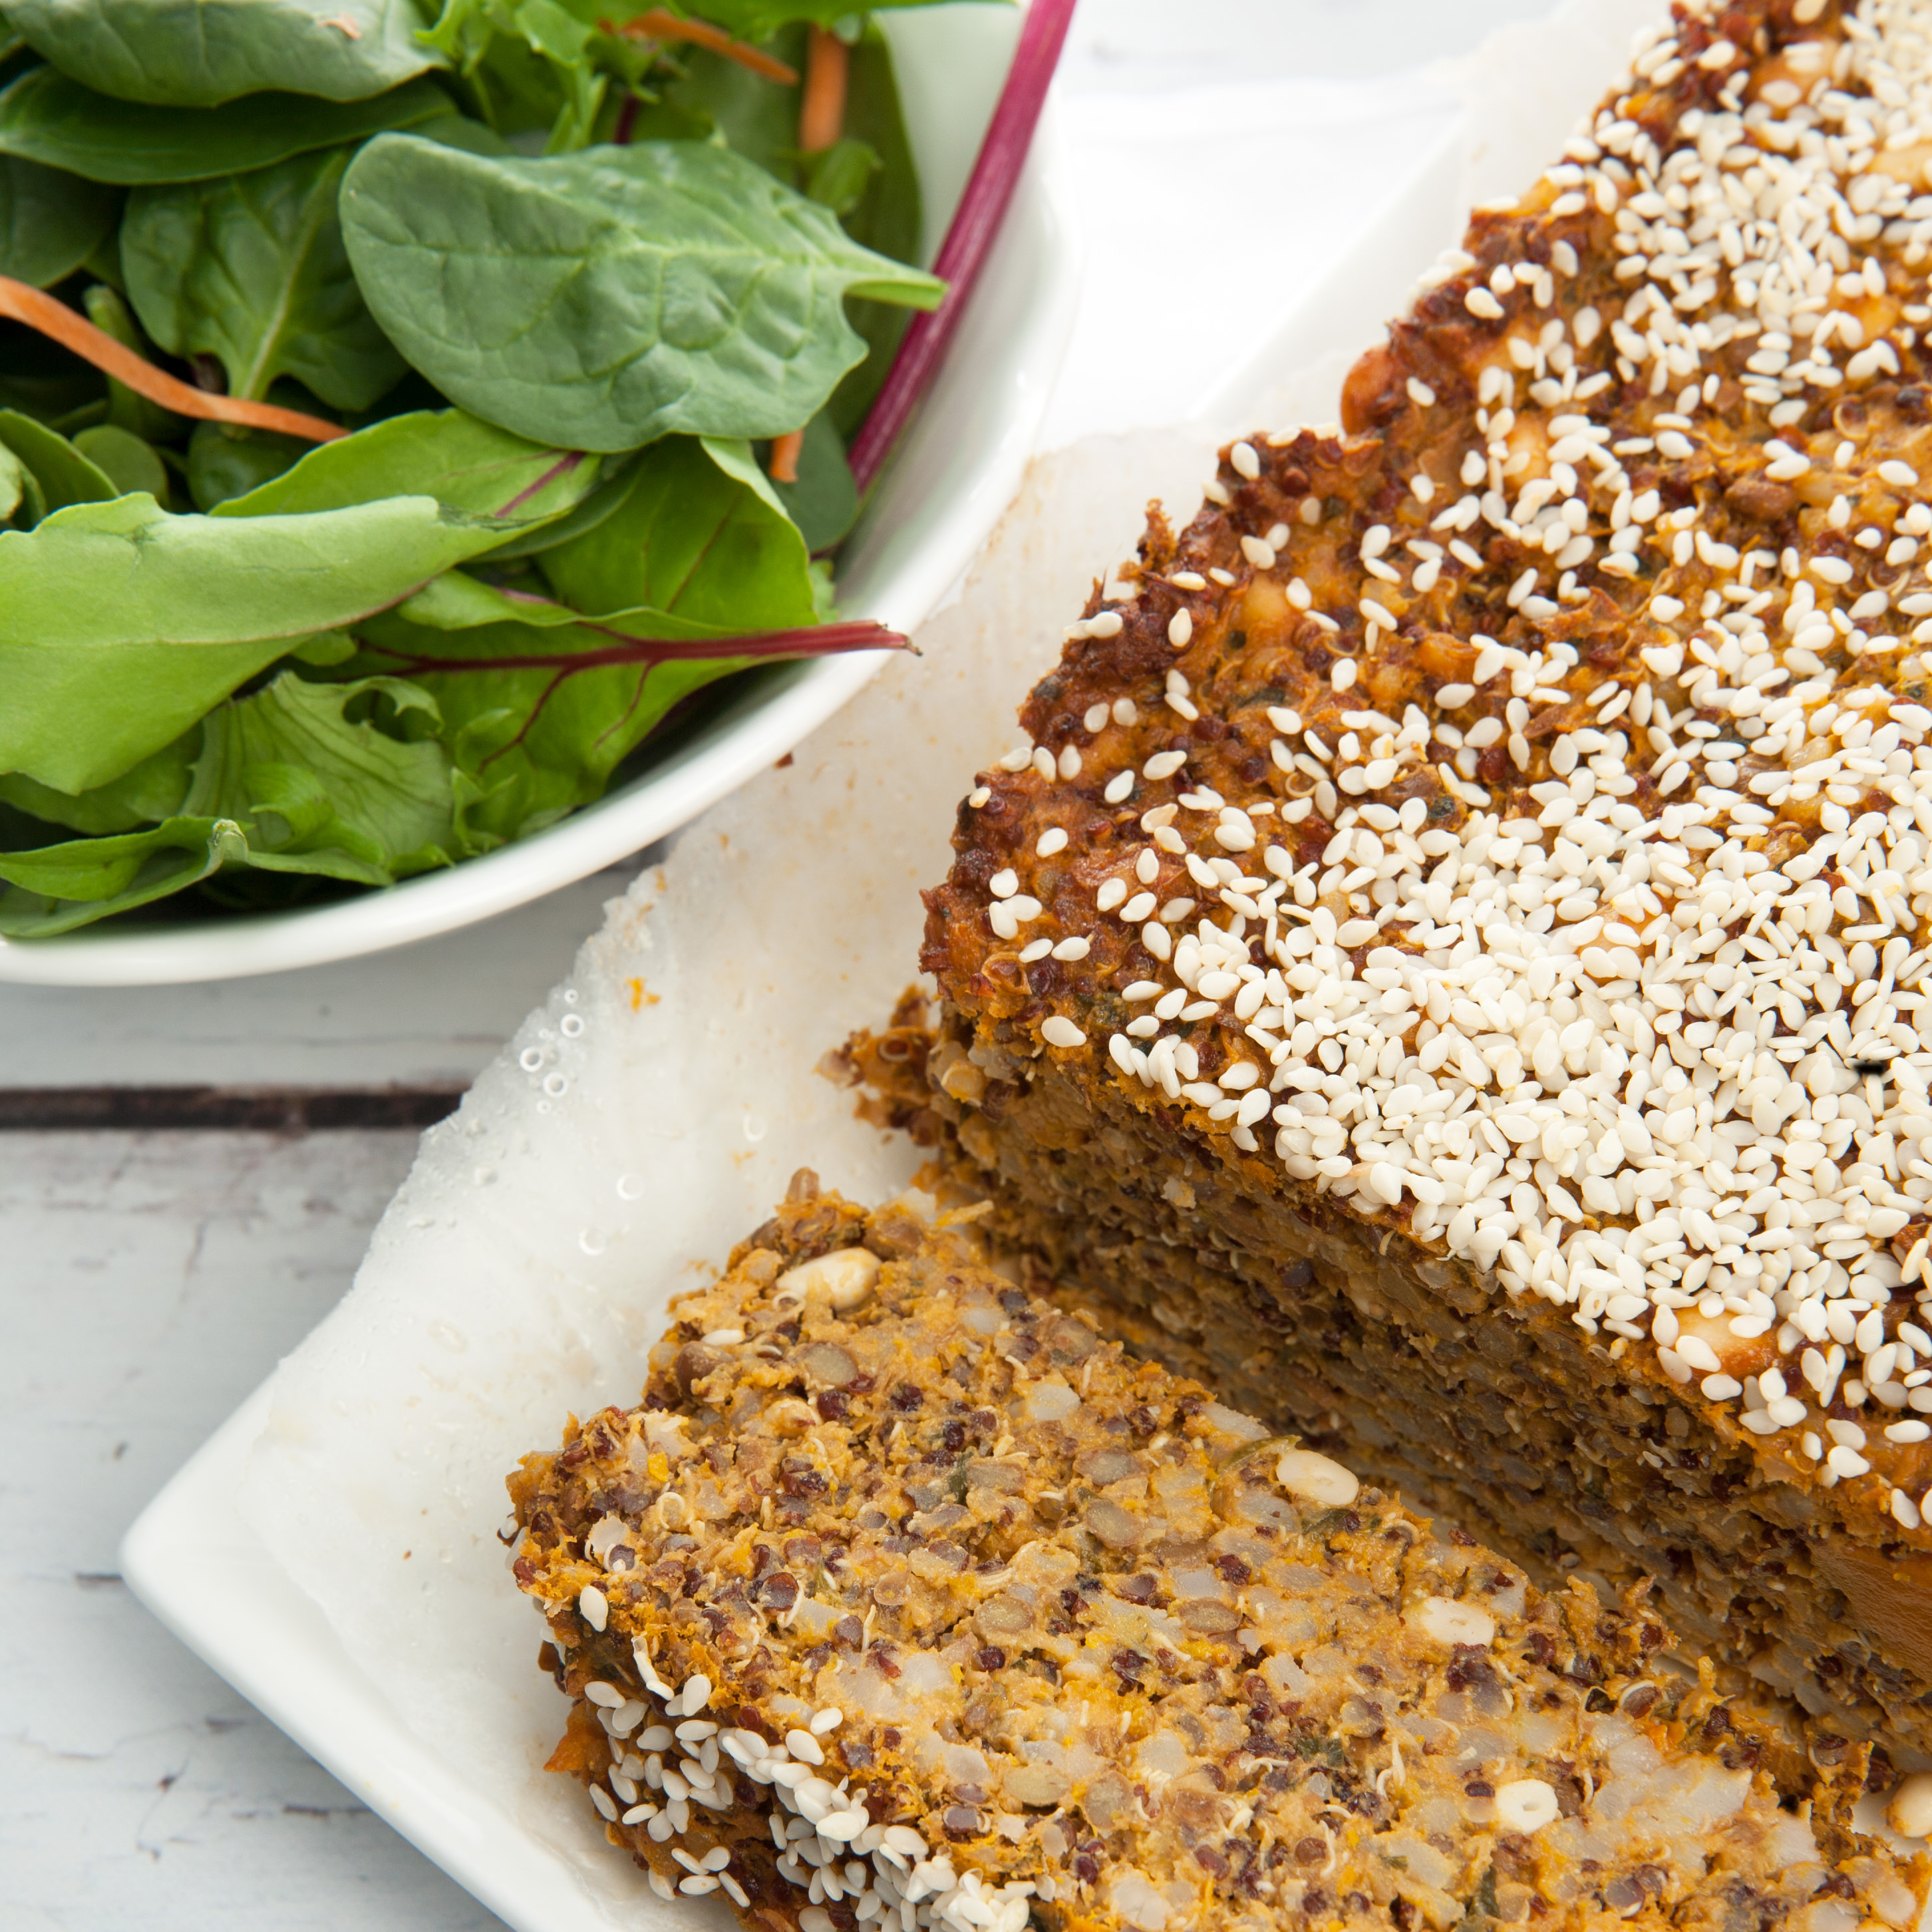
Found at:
<point>646,1116</point>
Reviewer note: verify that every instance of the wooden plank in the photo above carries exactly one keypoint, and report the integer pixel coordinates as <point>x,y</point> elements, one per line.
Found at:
<point>151,1280</point>
<point>284,1110</point>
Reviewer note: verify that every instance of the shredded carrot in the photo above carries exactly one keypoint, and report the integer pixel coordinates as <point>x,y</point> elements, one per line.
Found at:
<point>821,114</point>
<point>39,310</point>
<point>660,24</point>
<point>821,120</point>
<point>782,466</point>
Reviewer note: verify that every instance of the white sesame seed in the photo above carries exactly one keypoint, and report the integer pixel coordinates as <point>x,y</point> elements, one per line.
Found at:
<point>1051,842</point>
<point>1179,629</point>
<point>1244,460</point>
<point>593,1607</point>
<point>1057,1031</point>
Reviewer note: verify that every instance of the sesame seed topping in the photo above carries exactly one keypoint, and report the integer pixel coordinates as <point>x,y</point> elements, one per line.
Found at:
<point>1602,973</point>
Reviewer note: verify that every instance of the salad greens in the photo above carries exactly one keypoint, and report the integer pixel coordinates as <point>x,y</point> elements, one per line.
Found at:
<point>199,53</point>
<point>46,117</point>
<point>614,296</point>
<point>537,342</point>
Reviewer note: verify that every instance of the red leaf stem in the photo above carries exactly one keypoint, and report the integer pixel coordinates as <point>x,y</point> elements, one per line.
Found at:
<point>816,640</point>
<point>975,226</point>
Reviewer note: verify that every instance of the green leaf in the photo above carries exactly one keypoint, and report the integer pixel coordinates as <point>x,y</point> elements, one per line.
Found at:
<point>224,462</point>
<point>151,791</point>
<point>46,116</point>
<point>754,19</point>
<point>53,888</point>
<point>710,94</point>
<point>64,474</point>
<point>49,222</point>
<point>471,468</point>
<point>601,503</point>
<point>609,298</point>
<point>291,779</point>
<point>761,121</point>
<point>39,378</point>
<point>314,785</point>
<point>14,480</point>
<point>887,218</point>
<point>110,314</point>
<point>701,535</point>
<point>824,501</point>
<point>125,460</point>
<point>199,53</point>
<point>837,177</point>
<point>459,130</point>
<point>538,713</point>
<point>120,625</point>
<point>251,270</point>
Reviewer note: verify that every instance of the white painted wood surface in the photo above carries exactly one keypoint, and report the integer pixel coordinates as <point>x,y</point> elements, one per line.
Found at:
<point>149,1281</point>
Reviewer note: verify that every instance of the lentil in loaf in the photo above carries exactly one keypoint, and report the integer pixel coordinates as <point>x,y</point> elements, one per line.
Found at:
<point>902,1598</point>
<point>1459,919</point>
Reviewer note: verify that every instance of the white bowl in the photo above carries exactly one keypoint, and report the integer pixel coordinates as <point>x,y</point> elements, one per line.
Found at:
<point>957,469</point>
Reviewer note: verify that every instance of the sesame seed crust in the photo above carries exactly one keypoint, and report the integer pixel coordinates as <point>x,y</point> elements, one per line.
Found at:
<point>903,1599</point>
<point>1505,820</point>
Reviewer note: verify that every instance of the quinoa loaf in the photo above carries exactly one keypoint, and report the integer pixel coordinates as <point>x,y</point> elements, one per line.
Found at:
<point>1445,966</point>
<point>903,1598</point>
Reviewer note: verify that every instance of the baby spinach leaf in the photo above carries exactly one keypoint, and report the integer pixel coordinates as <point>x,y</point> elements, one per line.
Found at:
<point>199,53</point>
<point>315,784</point>
<point>251,270</point>
<point>49,222</point>
<point>125,460</point>
<point>53,888</point>
<point>459,130</point>
<point>120,625</point>
<point>608,298</point>
<point>471,468</point>
<point>837,177</point>
<point>64,474</point>
<point>46,116</point>
<point>761,121</point>
<point>700,535</point>
<point>224,461</point>
<point>109,313</point>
